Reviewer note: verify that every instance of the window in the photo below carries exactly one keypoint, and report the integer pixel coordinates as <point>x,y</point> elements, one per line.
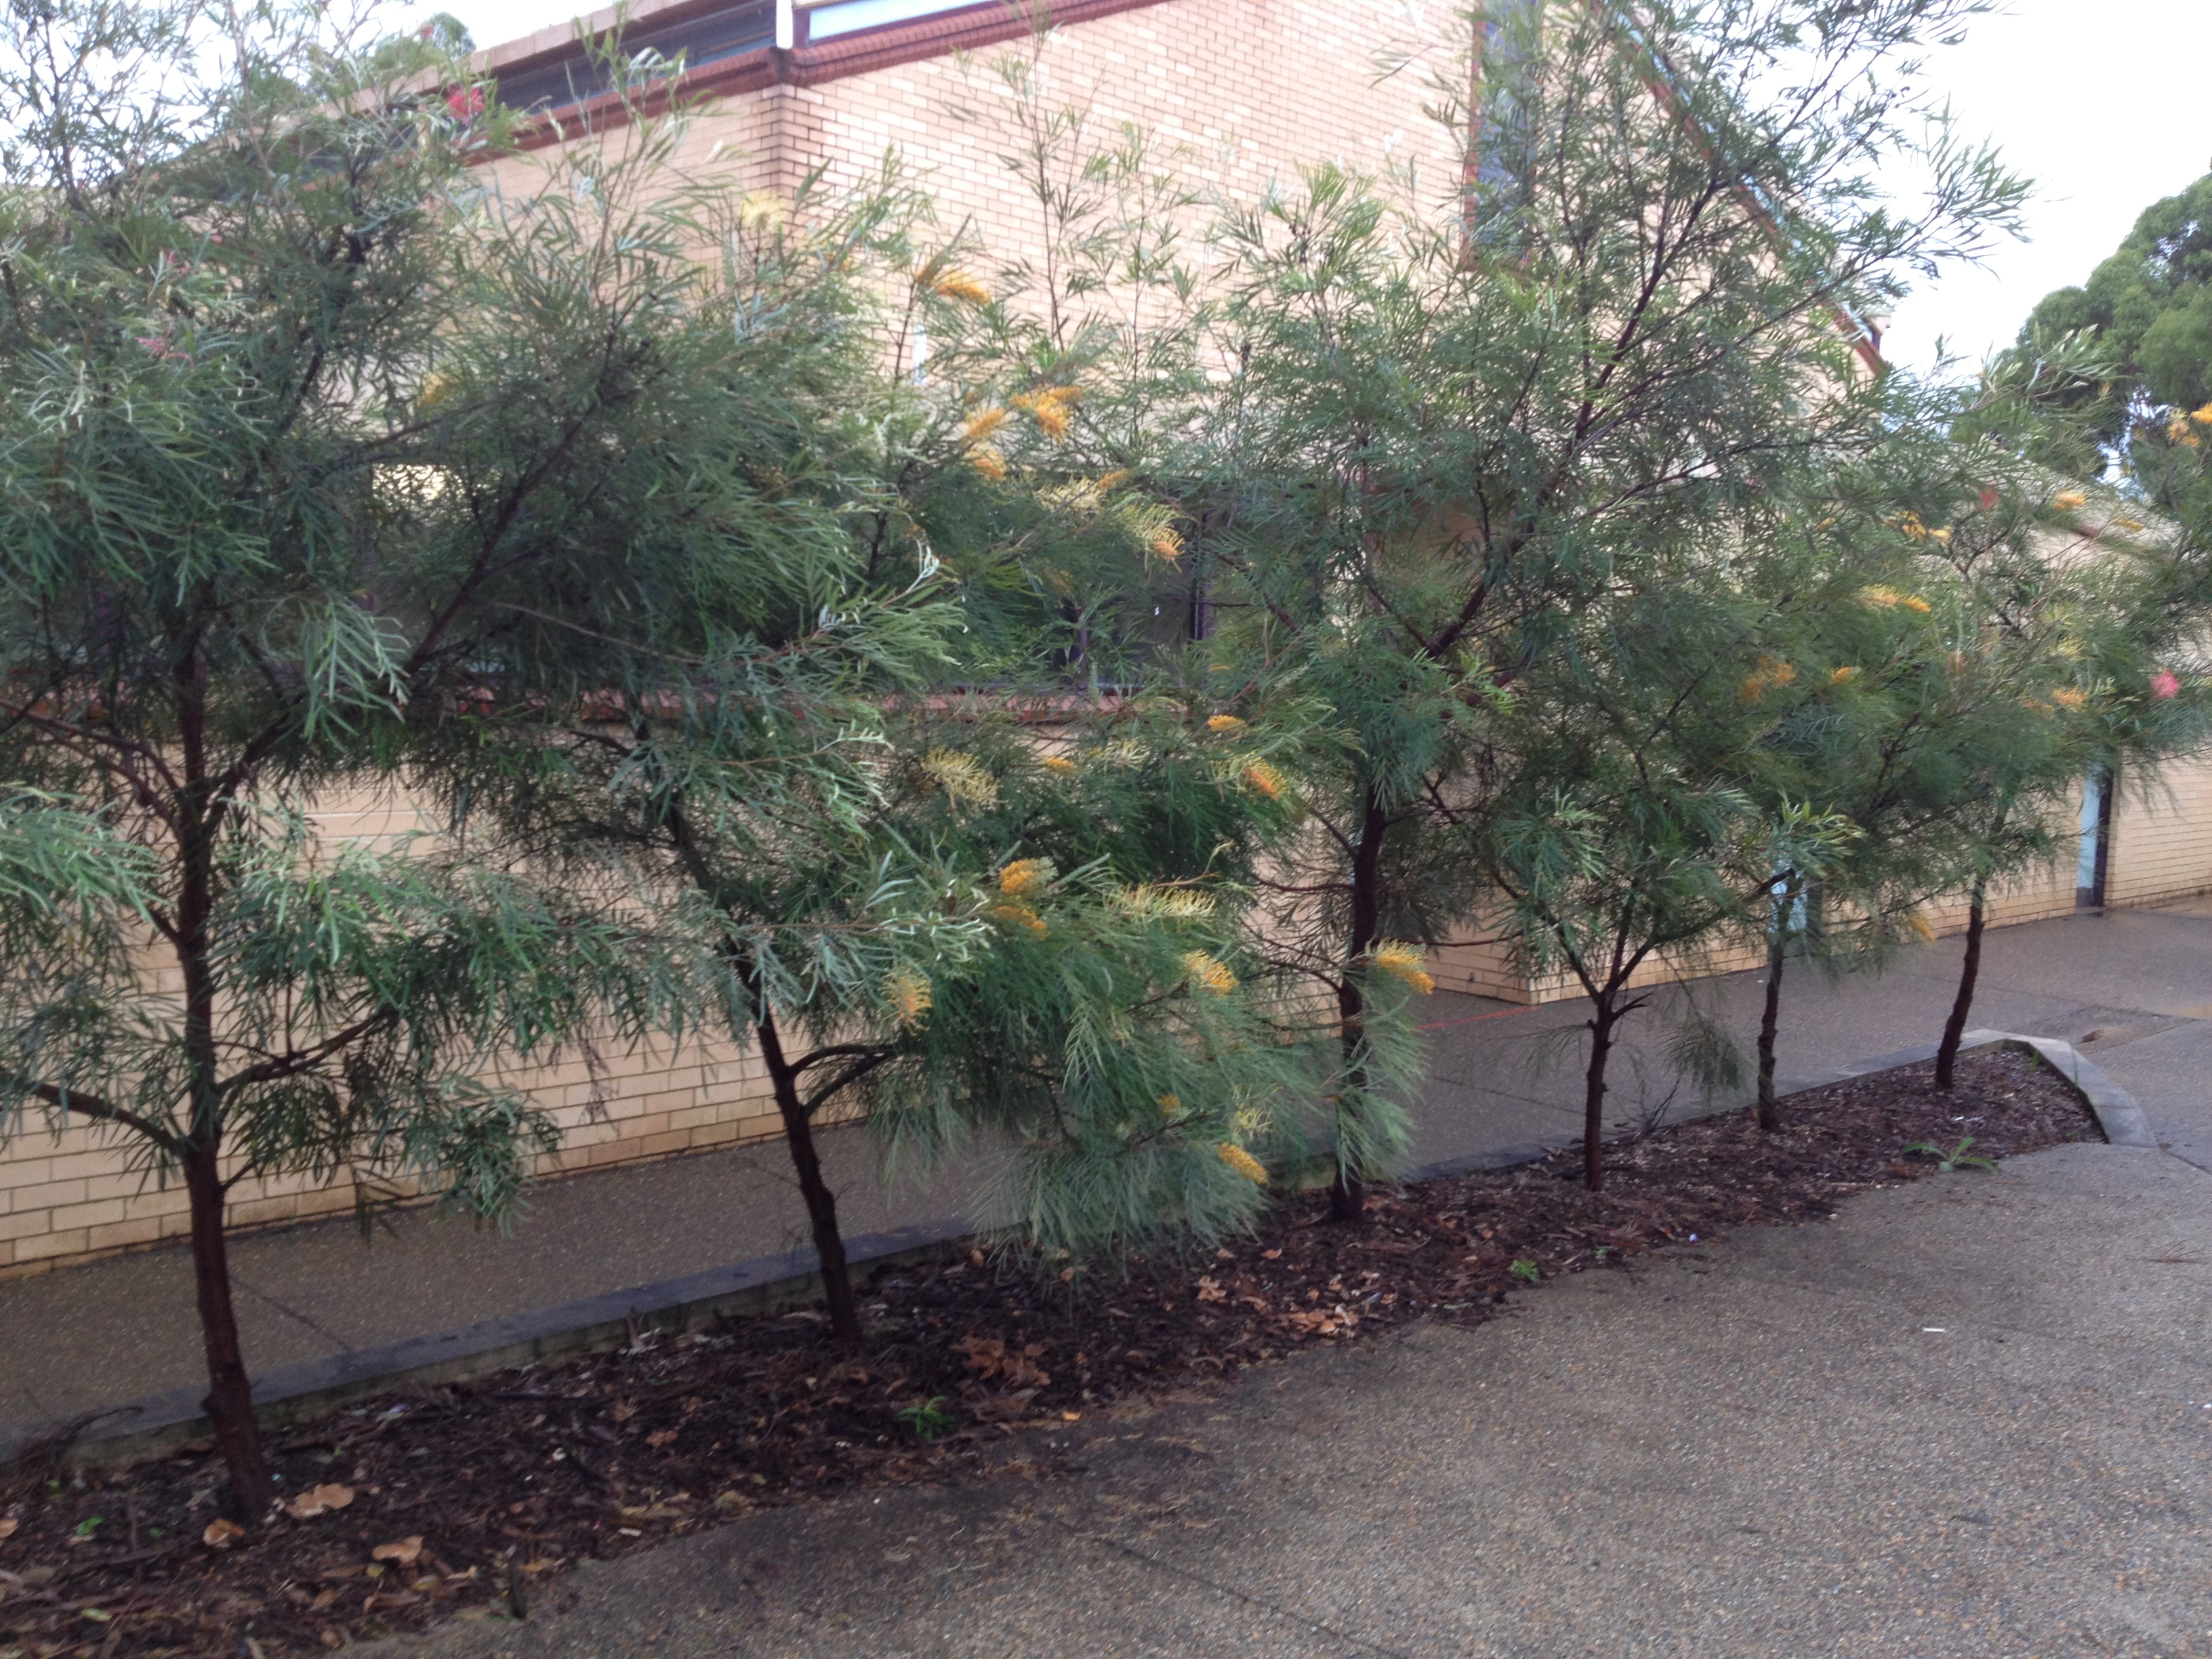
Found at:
<point>849,16</point>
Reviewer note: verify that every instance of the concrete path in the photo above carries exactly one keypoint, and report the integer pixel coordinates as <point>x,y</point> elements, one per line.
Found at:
<point>85,1338</point>
<point>1970,1417</point>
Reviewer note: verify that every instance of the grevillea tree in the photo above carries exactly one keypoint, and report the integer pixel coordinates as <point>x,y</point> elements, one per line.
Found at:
<point>1453,417</point>
<point>939,877</point>
<point>298,422</point>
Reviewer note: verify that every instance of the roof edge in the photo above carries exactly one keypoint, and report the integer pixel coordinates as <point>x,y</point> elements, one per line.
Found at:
<point>861,53</point>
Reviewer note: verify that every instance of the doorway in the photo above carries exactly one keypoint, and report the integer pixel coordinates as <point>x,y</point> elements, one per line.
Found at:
<point>2096,854</point>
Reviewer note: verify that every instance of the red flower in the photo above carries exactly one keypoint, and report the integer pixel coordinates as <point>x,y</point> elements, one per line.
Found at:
<point>2163,684</point>
<point>1989,500</point>
<point>466,103</point>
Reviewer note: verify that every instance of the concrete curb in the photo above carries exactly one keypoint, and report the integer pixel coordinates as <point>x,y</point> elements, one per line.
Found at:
<point>150,1426</point>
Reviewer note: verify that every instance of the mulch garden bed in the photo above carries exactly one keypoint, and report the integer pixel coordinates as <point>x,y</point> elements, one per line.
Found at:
<point>469,1500</point>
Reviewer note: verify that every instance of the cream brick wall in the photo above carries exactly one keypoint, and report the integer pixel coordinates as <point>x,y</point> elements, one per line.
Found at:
<point>2162,837</point>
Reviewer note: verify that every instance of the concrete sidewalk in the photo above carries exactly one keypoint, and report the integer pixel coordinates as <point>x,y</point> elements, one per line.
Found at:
<point>1968,1417</point>
<point>85,1338</point>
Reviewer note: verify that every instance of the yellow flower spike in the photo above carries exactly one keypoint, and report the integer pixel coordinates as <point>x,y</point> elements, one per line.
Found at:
<point>435,391</point>
<point>1918,924</point>
<point>1208,974</point>
<point>2070,698</point>
<point>1225,723</point>
<point>1770,675</point>
<point>1170,1106</point>
<point>1402,961</point>
<point>961,777</point>
<point>1020,915</point>
<point>2066,500</point>
<point>1880,595</point>
<point>2202,417</point>
<point>1844,676</point>
<point>1168,545</point>
<point>959,285</point>
<point>908,992</point>
<point>982,425</point>
<point>1910,524</point>
<point>1112,481</point>
<point>1060,763</point>
<point>987,460</point>
<point>1914,602</point>
<point>2126,523</point>
<point>1943,535</point>
<point>763,210</point>
<point>1026,876</point>
<point>1265,779</point>
<point>1243,1162</point>
<point>1049,409</point>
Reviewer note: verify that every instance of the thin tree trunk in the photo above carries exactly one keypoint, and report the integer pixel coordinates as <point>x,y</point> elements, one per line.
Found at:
<point>1770,1110</point>
<point>1601,1030</point>
<point>821,1202</point>
<point>1347,1196</point>
<point>229,1402</point>
<point>1946,1054</point>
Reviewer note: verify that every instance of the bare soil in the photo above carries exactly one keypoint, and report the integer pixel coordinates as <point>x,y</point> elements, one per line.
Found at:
<point>470,1500</point>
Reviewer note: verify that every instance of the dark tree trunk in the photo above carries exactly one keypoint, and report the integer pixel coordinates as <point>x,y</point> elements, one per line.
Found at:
<point>821,1202</point>
<point>1946,1054</point>
<point>1770,1110</point>
<point>1601,1030</point>
<point>1347,1197</point>
<point>229,1402</point>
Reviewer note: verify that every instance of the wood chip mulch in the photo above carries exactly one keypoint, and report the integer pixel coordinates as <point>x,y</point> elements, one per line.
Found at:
<point>469,1500</point>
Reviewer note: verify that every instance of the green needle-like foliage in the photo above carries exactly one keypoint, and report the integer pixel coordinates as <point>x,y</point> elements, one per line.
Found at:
<point>298,420</point>
<point>1460,421</point>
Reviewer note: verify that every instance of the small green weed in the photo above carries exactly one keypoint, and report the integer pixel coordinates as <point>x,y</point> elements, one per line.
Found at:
<point>1526,1269</point>
<point>1957,1158</point>
<point>928,1419</point>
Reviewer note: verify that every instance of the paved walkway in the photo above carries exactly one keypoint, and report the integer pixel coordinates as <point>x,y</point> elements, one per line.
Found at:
<point>85,1338</point>
<point>1968,1419</point>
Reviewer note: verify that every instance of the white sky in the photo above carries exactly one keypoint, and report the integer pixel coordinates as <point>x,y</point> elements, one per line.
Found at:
<point>2103,104</point>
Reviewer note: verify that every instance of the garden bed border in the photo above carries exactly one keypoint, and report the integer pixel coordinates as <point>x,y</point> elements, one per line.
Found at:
<point>141,1430</point>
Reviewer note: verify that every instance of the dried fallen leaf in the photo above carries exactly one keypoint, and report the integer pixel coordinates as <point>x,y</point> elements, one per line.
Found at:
<point>7,1526</point>
<point>1271,1255</point>
<point>319,1500</point>
<point>622,1411</point>
<point>1210,1292</point>
<point>221,1534</point>
<point>406,1552</point>
<point>660,1438</point>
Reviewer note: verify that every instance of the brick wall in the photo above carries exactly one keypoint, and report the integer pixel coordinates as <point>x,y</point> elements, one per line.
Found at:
<point>2162,836</point>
